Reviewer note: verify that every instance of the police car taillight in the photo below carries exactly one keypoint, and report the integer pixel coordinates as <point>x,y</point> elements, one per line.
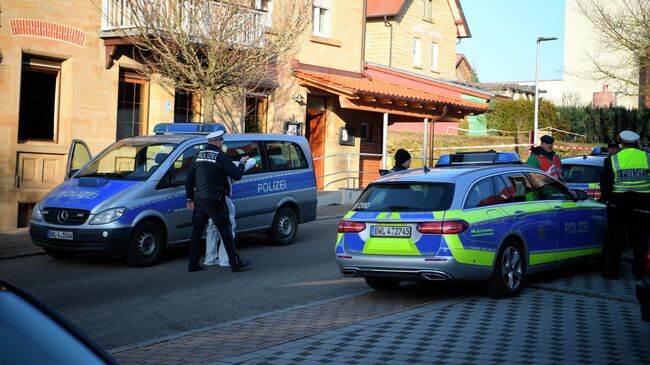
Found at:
<point>594,193</point>
<point>351,227</point>
<point>443,227</point>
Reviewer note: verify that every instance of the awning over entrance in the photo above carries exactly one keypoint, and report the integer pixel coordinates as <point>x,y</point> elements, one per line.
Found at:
<point>386,90</point>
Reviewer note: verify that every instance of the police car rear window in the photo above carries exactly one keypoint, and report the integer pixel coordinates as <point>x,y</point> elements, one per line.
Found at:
<point>406,197</point>
<point>581,173</point>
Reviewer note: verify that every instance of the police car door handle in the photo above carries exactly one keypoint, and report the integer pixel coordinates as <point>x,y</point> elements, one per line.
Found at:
<point>519,213</point>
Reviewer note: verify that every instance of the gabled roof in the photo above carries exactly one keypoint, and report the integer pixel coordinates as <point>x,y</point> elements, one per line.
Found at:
<point>462,29</point>
<point>380,87</point>
<point>460,57</point>
<point>378,8</point>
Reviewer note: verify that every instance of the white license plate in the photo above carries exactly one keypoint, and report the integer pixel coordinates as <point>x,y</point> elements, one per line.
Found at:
<point>390,231</point>
<point>60,235</point>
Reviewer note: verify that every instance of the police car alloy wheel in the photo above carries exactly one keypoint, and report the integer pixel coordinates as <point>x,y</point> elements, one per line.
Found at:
<point>509,270</point>
<point>145,246</point>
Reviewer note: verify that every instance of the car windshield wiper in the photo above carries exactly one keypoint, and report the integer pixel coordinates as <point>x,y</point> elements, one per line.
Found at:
<point>110,175</point>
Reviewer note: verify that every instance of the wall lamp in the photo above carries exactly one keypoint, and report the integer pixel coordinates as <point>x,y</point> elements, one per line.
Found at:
<point>298,98</point>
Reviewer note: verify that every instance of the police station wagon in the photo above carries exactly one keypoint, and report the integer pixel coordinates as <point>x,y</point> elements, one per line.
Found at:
<point>130,199</point>
<point>493,223</point>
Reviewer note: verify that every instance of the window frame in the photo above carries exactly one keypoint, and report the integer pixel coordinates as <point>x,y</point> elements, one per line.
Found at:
<point>270,168</point>
<point>474,184</point>
<point>41,64</point>
<point>543,196</point>
<point>321,5</point>
<point>261,149</point>
<point>435,57</point>
<point>128,76</point>
<point>417,52</point>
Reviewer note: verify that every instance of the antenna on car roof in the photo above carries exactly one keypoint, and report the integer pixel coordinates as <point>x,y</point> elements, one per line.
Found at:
<point>426,169</point>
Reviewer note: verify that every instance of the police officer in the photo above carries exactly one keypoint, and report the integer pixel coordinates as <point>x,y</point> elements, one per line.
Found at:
<point>206,189</point>
<point>402,160</point>
<point>612,147</point>
<point>625,187</point>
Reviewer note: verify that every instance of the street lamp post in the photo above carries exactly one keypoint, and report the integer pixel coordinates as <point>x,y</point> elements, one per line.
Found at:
<point>539,40</point>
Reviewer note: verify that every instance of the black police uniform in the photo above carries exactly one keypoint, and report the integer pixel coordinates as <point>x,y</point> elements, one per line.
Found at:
<point>207,186</point>
<point>623,220</point>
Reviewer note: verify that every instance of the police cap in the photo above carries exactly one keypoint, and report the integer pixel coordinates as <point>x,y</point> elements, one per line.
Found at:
<point>629,137</point>
<point>215,135</point>
<point>612,143</point>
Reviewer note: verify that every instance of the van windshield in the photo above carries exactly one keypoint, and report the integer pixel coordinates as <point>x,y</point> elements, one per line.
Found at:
<point>406,197</point>
<point>128,160</point>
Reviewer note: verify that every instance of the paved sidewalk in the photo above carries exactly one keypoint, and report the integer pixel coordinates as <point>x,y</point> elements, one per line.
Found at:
<point>568,316</point>
<point>16,243</point>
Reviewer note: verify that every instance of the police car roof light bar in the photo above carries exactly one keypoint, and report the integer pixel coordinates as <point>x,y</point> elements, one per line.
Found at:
<point>188,128</point>
<point>478,158</point>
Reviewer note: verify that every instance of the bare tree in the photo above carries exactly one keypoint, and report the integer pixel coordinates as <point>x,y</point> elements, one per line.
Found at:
<point>624,28</point>
<point>209,46</point>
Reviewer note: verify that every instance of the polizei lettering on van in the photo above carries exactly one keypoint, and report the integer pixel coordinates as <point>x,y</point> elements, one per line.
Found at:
<point>272,186</point>
<point>78,194</point>
<point>576,227</point>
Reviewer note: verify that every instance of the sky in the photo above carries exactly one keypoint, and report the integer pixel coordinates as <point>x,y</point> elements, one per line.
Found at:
<point>504,35</point>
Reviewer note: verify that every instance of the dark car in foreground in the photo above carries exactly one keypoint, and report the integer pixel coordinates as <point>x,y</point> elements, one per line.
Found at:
<point>33,333</point>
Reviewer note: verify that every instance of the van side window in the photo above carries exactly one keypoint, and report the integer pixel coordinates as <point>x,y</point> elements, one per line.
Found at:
<point>481,194</point>
<point>178,172</point>
<point>285,156</point>
<point>238,149</point>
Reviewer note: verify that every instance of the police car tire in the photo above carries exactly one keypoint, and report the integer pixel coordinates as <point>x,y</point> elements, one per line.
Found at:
<point>497,286</point>
<point>382,284</point>
<point>145,230</point>
<point>284,215</point>
<point>59,255</point>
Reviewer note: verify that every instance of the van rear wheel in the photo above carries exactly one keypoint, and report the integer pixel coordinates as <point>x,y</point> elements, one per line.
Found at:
<point>145,245</point>
<point>285,227</point>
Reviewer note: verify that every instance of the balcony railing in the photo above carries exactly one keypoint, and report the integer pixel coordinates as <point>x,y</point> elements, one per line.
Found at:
<point>120,15</point>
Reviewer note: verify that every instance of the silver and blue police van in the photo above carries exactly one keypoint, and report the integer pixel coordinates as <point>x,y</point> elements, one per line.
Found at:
<point>129,200</point>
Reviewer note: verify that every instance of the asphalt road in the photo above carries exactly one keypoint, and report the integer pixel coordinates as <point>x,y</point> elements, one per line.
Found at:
<point>118,305</point>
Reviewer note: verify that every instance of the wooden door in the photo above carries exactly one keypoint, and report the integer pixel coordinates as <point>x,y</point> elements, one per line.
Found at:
<point>316,137</point>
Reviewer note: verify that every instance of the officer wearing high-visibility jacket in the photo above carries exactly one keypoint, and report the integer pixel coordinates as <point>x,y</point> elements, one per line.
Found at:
<point>625,187</point>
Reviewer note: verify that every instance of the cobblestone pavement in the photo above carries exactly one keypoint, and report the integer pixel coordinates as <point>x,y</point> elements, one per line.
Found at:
<point>568,316</point>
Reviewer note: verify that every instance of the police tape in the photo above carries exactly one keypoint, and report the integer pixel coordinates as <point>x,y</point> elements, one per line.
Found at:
<point>494,146</point>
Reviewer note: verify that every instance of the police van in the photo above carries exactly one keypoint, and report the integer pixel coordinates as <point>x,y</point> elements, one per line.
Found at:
<point>129,200</point>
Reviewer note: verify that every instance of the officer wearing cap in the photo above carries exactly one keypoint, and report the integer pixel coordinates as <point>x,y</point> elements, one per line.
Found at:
<point>206,189</point>
<point>402,160</point>
<point>625,187</point>
<point>544,158</point>
<point>612,147</point>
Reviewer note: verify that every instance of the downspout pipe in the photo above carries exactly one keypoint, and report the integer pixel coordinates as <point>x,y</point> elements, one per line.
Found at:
<point>363,42</point>
<point>390,40</point>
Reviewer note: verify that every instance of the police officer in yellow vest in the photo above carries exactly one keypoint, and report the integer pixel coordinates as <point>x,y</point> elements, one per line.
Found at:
<point>625,188</point>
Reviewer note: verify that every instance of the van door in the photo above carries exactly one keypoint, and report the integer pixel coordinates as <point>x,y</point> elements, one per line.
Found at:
<point>179,218</point>
<point>78,156</point>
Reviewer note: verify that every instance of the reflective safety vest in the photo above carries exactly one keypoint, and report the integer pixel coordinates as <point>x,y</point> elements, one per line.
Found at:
<point>631,171</point>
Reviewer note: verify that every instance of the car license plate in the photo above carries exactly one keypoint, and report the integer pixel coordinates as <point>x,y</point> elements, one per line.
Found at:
<point>60,235</point>
<point>391,231</point>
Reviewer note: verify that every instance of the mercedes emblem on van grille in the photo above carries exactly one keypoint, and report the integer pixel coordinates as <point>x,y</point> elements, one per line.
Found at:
<point>62,217</point>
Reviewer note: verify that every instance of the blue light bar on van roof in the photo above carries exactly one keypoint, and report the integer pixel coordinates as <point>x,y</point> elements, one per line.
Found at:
<point>188,128</point>
<point>478,158</point>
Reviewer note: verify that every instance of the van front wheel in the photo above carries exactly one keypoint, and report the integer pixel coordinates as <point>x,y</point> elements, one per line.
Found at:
<point>285,227</point>
<point>145,246</point>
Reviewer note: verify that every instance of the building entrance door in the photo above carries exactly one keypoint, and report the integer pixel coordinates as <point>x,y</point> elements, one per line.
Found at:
<point>315,133</point>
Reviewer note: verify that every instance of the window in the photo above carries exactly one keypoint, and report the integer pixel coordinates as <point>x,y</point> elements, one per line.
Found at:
<point>481,194</point>
<point>521,188</point>
<point>321,18</point>
<point>504,192</point>
<point>238,149</point>
<point>406,198</point>
<point>39,90</point>
<point>416,52</point>
<point>285,156</point>
<point>132,103</point>
<point>177,174</point>
<point>550,188</point>
<point>427,10</point>
<point>366,135</point>
<point>434,56</point>
<point>184,107</point>
<point>255,117</point>
<point>582,174</point>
